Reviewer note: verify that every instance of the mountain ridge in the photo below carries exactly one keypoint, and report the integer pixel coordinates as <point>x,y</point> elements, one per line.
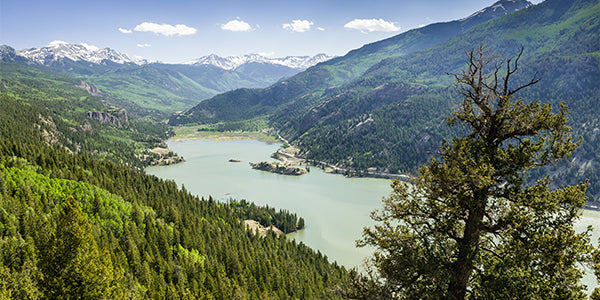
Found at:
<point>58,50</point>
<point>152,88</point>
<point>305,87</point>
<point>393,114</point>
<point>233,62</point>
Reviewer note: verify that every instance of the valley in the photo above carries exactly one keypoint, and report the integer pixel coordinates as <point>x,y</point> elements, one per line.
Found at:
<point>390,114</point>
<point>125,177</point>
<point>335,207</point>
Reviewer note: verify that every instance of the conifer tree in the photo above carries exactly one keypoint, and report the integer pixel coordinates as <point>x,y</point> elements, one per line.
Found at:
<point>470,225</point>
<point>72,265</point>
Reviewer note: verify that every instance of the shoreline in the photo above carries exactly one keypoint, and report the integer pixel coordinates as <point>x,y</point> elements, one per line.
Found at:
<point>191,133</point>
<point>296,160</point>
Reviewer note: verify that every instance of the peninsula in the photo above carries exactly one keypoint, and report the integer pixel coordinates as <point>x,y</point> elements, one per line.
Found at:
<point>278,168</point>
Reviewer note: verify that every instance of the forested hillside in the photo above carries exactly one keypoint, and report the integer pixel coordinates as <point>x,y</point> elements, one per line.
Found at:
<point>393,116</point>
<point>81,224</point>
<point>63,119</point>
<point>307,88</point>
<point>149,89</point>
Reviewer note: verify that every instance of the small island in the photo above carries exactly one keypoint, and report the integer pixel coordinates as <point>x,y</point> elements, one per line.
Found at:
<point>235,160</point>
<point>279,168</point>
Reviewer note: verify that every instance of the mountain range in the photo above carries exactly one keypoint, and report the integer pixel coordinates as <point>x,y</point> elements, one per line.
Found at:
<point>310,84</point>
<point>234,62</point>
<point>384,105</point>
<point>79,217</point>
<point>153,88</point>
<point>58,51</point>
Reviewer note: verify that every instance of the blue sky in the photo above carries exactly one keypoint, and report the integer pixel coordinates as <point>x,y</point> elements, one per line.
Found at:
<point>179,30</point>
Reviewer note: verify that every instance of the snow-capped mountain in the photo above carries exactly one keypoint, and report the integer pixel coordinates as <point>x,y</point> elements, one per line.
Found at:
<point>498,9</point>
<point>58,50</point>
<point>233,62</point>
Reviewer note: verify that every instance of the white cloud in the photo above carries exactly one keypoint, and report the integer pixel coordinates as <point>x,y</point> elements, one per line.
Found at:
<point>144,45</point>
<point>90,47</point>
<point>320,29</point>
<point>123,30</point>
<point>165,29</point>
<point>236,25</point>
<point>266,54</point>
<point>370,25</point>
<point>57,43</point>
<point>299,25</point>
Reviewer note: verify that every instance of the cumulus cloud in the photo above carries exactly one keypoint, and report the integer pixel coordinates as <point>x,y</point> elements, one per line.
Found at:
<point>299,25</point>
<point>320,29</point>
<point>165,29</point>
<point>370,25</point>
<point>56,43</point>
<point>90,47</point>
<point>237,25</point>
<point>123,30</point>
<point>143,45</point>
<point>266,54</point>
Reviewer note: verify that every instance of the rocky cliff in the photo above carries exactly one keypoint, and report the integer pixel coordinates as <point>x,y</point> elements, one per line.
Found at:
<point>116,117</point>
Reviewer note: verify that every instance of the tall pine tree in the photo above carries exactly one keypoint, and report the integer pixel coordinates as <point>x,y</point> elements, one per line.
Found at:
<point>72,265</point>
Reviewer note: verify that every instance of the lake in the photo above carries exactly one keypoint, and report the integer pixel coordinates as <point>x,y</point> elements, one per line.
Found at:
<point>335,208</point>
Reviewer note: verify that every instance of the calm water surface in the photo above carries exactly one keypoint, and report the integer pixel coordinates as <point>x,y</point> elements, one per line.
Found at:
<point>334,207</point>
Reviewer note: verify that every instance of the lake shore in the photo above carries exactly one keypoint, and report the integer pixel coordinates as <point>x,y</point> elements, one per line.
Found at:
<point>287,155</point>
<point>183,133</point>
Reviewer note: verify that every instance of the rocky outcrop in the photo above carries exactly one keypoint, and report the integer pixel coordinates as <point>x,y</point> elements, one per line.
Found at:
<point>92,90</point>
<point>255,227</point>
<point>86,127</point>
<point>279,168</point>
<point>117,117</point>
<point>160,156</point>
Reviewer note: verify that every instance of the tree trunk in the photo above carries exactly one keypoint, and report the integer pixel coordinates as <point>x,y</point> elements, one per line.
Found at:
<point>467,250</point>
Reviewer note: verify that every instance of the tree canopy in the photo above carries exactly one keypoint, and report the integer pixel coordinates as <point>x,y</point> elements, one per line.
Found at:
<point>470,226</point>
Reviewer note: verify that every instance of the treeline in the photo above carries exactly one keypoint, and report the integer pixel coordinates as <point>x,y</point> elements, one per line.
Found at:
<point>75,225</point>
<point>267,216</point>
<point>256,124</point>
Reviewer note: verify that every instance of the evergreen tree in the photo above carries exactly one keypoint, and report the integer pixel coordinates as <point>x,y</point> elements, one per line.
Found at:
<point>72,265</point>
<point>471,226</point>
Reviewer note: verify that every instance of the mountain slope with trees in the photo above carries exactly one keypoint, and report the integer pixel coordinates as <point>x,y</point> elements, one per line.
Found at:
<point>393,115</point>
<point>151,89</point>
<point>72,119</point>
<point>308,87</point>
<point>81,224</point>
<point>470,214</point>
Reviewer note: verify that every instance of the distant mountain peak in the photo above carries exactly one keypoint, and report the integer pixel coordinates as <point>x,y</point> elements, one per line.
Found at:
<point>233,62</point>
<point>498,9</point>
<point>58,50</point>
